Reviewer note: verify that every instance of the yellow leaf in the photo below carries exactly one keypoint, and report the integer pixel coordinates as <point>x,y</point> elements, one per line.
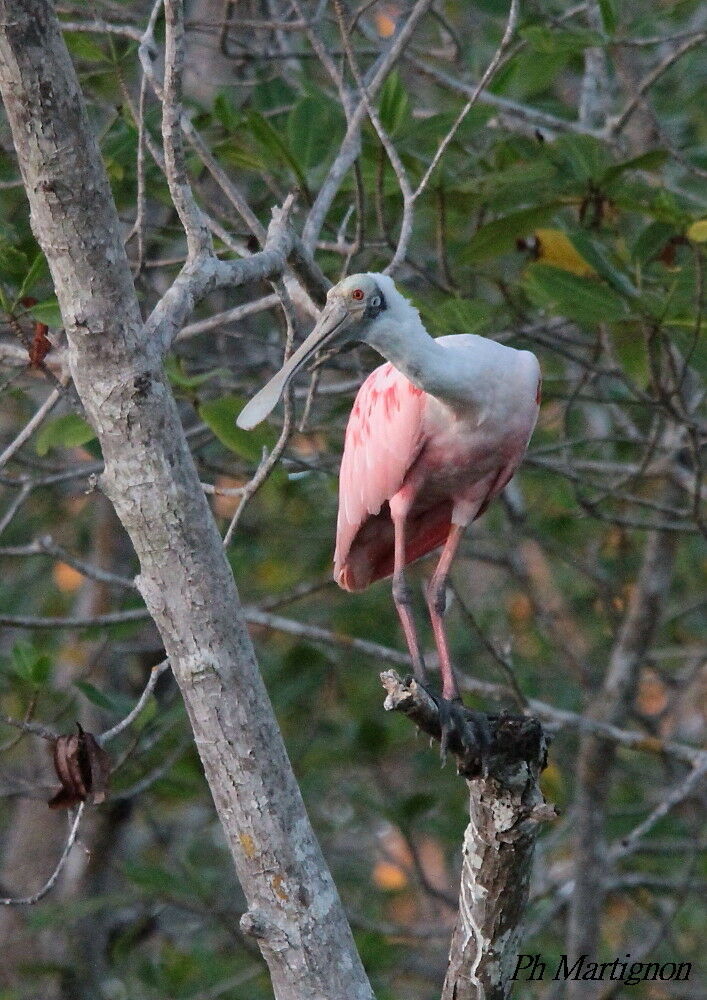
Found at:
<point>554,248</point>
<point>698,231</point>
<point>389,876</point>
<point>552,782</point>
<point>66,578</point>
<point>520,610</point>
<point>385,20</point>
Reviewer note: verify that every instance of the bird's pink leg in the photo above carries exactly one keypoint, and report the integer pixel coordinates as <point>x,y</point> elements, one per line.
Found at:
<point>436,602</point>
<point>402,596</point>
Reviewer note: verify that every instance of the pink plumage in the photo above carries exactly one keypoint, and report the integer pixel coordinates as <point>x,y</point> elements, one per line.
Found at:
<point>402,442</point>
<point>434,435</point>
<point>383,438</point>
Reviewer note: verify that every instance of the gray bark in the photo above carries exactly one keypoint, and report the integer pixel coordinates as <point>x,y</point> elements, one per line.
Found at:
<point>506,807</point>
<point>294,909</point>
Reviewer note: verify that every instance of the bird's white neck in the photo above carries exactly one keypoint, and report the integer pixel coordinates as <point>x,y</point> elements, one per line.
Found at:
<point>400,336</point>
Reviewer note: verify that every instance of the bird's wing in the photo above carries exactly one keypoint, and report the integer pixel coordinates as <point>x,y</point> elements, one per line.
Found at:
<point>383,439</point>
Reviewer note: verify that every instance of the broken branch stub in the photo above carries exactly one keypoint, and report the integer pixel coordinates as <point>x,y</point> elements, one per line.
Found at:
<point>506,807</point>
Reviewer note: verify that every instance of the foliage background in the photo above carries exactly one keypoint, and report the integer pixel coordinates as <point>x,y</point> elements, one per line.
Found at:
<point>583,241</point>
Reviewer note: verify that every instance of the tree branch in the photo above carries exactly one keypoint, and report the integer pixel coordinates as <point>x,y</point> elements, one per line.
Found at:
<point>596,755</point>
<point>505,808</point>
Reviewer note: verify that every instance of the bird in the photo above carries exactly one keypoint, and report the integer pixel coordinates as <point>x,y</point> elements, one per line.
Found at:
<point>434,435</point>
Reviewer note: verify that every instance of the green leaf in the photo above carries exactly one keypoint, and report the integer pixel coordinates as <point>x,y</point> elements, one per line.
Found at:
<point>14,264</point>
<point>229,116</point>
<point>174,366</point>
<point>241,158</point>
<point>564,294</point>
<point>631,351</point>
<point>609,15</point>
<point>582,157</point>
<point>652,160</point>
<point>598,258</point>
<point>518,177</point>
<point>82,46</point>
<point>41,670</point>
<point>394,103</point>
<point>457,315</point>
<point>153,880</point>
<point>23,655</point>
<point>499,236</point>
<point>553,40</point>
<point>97,697</point>
<point>266,135</point>
<point>220,415</point>
<point>47,312</point>
<point>37,271</point>
<point>31,665</point>
<point>651,241</point>
<point>314,127</point>
<point>272,93</point>
<point>69,431</point>
<point>526,76</point>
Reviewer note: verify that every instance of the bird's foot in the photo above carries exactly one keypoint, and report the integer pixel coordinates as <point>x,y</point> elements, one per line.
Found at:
<point>471,729</point>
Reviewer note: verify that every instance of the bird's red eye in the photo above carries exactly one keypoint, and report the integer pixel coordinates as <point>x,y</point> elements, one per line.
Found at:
<point>357,294</point>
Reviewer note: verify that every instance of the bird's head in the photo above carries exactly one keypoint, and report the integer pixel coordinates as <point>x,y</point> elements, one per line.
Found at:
<point>352,308</point>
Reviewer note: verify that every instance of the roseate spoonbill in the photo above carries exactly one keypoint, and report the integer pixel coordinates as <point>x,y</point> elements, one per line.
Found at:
<point>434,435</point>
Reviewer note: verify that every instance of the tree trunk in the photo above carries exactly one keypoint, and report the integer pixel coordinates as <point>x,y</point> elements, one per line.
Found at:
<point>295,911</point>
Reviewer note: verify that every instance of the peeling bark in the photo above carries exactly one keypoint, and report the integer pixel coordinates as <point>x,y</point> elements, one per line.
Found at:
<point>506,808</point>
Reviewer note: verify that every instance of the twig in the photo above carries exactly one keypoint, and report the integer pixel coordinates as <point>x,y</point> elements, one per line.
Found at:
<point>269,461</point>
<point>557,717</point>
<point>475,94</point>
<point>351,144</point>
<point>100,27</point>
<point>197,233</point>
<point>502,659</point>
<point>229,316</point>
<point>615,125</point>
<point>631,842</point>
<point>34,728</point>
<point>76,621</point>
<point>31,426</point>
<point>47,546</point>
<point>118,728</point>
<point>164,767</point>
<point>534,117</point>
<point>391,151</point>
<point>49,884</point>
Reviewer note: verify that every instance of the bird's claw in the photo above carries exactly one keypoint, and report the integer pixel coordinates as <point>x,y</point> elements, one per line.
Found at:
<point>471,728</point>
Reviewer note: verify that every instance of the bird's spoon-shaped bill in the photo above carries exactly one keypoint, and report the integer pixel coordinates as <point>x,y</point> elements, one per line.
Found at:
<point>264,402</point>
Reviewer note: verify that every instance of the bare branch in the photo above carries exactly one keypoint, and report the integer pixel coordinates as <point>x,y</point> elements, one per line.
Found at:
<point>31,426</point>
<point>51,881</point>
<point>198,238</point>
<point>534,117</point>
<point>34,728</point>
<point>616,125</point>
<point>351,144</point>
<point>475,94</point>
<point>150,477</point>
<point>47,546</point>
<point>119,727</point>
<point>690,785</point>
